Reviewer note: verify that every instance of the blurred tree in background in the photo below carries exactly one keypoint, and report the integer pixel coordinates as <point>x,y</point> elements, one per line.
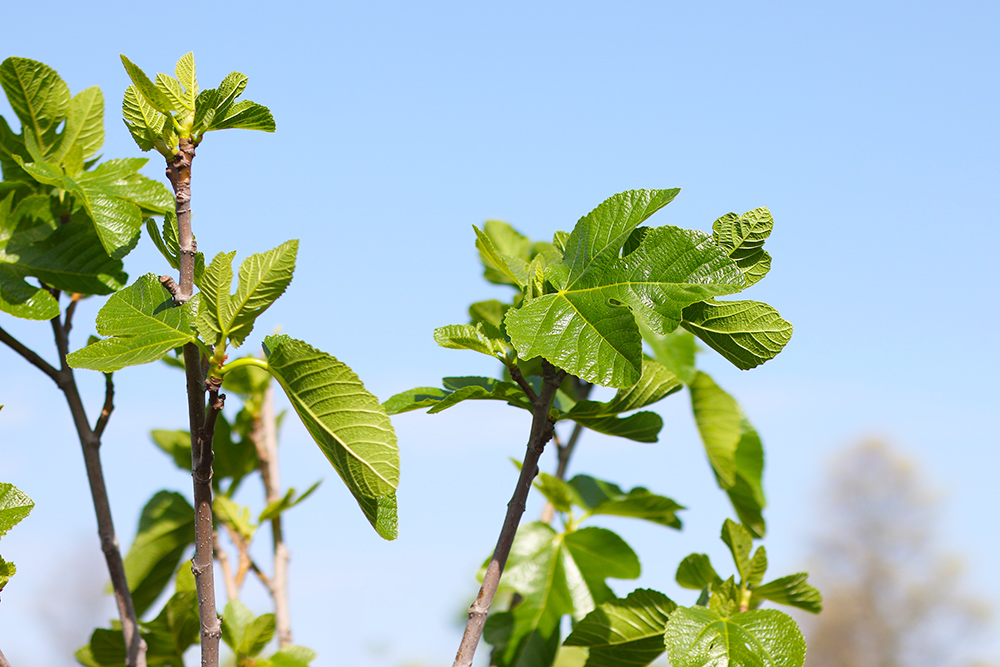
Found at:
<point>892,596</point>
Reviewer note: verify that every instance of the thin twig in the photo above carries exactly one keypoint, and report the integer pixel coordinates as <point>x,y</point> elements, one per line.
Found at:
<point>564,452</point>
<point>518,377</point>
<point>541,433</point>
<point>90,442</point>
<point>109,406</point>
<point>29,355</point>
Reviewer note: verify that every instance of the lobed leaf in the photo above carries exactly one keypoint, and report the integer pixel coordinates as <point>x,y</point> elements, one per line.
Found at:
<point>347,422</point>
<point>742,237</point>
<point>473,337</point>
<point>143,325</point>
<point>602,297</point>
<point>84,125</point>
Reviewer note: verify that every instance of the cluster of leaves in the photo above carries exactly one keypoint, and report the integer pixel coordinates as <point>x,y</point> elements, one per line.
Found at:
<point>14,506</point>
<point>159,112</point>
<point>557,573</point>
<point>142,325</point>
<point>725,626</point>
<point>586,303</point>
<point>65,218</point>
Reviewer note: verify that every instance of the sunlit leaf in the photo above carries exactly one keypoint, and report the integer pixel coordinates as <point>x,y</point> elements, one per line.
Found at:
<point>747,333</point>
<point>143,325</point>
<point>347,422</point>
<point>791,590</point>
<point>698,637</point>
<point>38,96</point>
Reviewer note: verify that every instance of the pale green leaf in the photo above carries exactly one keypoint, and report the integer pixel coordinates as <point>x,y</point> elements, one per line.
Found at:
<point>758,566</point>
<point>292,656</point>
<point>38,96</point>
<point>348,423</point>
<point>263,278</point>
<point>286,502</point>
<point>147,89</point>
<point>186,75</point>
<point>144,123</point>
<point>471,337</point>
<point>13,153</point>
<point>166,530</point>
<point>743,238</point>
<point>791,590</point>
<point>235,516</point>
<point>734,449</point>
<point>747,333</point>
<point>7,570</point>
<point>84,125</point>
<point>172,90</point>
<point>625,632</point>
<point>14,506</point>
<point>244,115</point>
<point>675,350</point>
<point>504,269</point>
<point>143,325</point>
<point>556,491</point>
<point>216,101</point>
<point>698,637</point>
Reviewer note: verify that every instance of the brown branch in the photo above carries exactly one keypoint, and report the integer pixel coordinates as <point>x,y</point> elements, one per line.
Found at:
<point>564,452</point>
<point>29,355</point>
<point>90,442</point>
<point>109,406</point>
<point>541,433</point>
<point>265,437</point>
<point>202,432</point>
<point>202,425</point>
<point>518,377</point>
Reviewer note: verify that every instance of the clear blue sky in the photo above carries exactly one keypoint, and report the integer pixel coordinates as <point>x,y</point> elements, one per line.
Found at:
<point>869,129</point>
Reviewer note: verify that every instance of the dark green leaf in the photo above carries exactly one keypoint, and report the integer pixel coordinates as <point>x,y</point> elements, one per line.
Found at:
<point>696,572</point>
<point>600,497</point>
<point>625,632</point>
<point>454,392</point>
<point>747,333</point>
<point>742,237</point>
